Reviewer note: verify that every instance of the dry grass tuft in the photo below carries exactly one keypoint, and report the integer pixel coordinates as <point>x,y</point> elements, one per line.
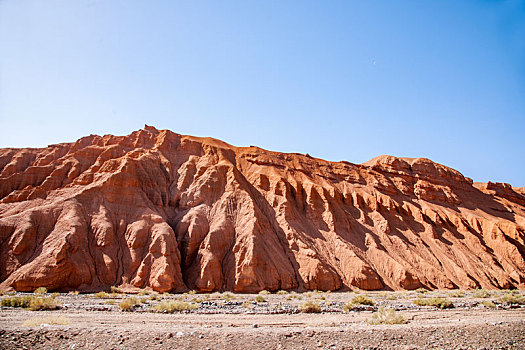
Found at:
<point>310,307</point>
<point>387,316</point>
<point>38,321</point>
<point>441,303</point>
<point>175,305</point>
<point>129,304</point>
<point>40,290</point>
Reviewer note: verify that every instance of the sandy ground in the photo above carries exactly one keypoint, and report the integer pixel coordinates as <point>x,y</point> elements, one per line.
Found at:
<point>467,326</point>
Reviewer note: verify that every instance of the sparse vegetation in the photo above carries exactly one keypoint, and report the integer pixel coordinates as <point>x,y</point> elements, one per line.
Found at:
<point>511,298</point>
<point>362,300</point>
<point>101,295</point>
<point>310,307</point>
<point>457,293</point>
<point>481,293</point>
<point>192,292</point>
<point>227,296</point>
<point>31,302</point>
<point>387,316</point>
<point>175,305</point>
<point>40,290</point>
<point>488,304</point>
<point>441,303</point>
<point>282,292</point>
<point>421,290</point>
<point>142,293</point>
<point>247,305</point>
<point>264,292</point>
<point>56,320</point>
<point>260,299</point>
<point>114,289</point>
<point>128,304</point>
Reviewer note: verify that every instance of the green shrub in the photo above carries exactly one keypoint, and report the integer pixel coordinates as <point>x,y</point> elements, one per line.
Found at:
<point>310,307</point>
<point>40,290</point>
<point>23,302</point>
<point>282,292</point>
<point>421,290</point>
<point>387,316</point>
<point>192,292</point>
<point>441,303</point>
<point>260,299</point>
<point>175,305</point>
<point>264,292</point>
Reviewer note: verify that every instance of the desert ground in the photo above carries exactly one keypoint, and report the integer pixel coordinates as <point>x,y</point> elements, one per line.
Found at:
<point>475,319</point>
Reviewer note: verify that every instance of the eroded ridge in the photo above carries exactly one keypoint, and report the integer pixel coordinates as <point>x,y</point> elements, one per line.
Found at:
<point>155,209</point>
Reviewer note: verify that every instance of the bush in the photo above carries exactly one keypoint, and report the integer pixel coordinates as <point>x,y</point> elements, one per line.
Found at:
<point>260,299</point>
<point>310,307</point>
<point>101,295</point>
<point>282,292</point>
<point>421,290</point>
<point>40,290</point>
<point>441,303</point>
<point>17,301</point>
<point>143,292</point>
<point>510,298</point>
<point>362,300</point>
<point>387,316</point>
<point>175,305</point>
<point>192,292</point>
<point>128,304</point>
<point>32,303</point>
<point>264,292</point>
<point>43,304</point>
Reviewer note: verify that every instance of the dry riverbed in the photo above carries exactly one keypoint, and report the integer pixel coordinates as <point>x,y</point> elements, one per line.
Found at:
<point>472,320</point>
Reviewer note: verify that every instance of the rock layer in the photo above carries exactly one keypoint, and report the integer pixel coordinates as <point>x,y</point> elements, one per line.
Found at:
<point>160,210</point>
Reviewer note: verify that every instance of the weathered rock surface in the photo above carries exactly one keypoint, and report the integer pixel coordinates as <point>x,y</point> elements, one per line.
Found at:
<point>159,210</point>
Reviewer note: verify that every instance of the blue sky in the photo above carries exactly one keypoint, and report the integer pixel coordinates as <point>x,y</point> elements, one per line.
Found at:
<point>340,80</point>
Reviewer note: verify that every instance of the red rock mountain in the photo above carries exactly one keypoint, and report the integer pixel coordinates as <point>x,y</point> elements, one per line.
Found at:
<point>159,210</point>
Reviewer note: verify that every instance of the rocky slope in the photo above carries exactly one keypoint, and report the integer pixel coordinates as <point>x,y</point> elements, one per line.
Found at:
<point>159,210</point>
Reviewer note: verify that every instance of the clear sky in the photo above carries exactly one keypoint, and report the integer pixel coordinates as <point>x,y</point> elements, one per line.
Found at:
<point>340,80</point>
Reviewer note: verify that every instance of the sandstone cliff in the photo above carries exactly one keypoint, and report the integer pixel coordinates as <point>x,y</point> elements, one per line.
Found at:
<point>159,210</point>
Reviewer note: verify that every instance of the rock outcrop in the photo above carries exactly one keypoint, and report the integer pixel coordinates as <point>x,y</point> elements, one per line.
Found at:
<point>169,212</point>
